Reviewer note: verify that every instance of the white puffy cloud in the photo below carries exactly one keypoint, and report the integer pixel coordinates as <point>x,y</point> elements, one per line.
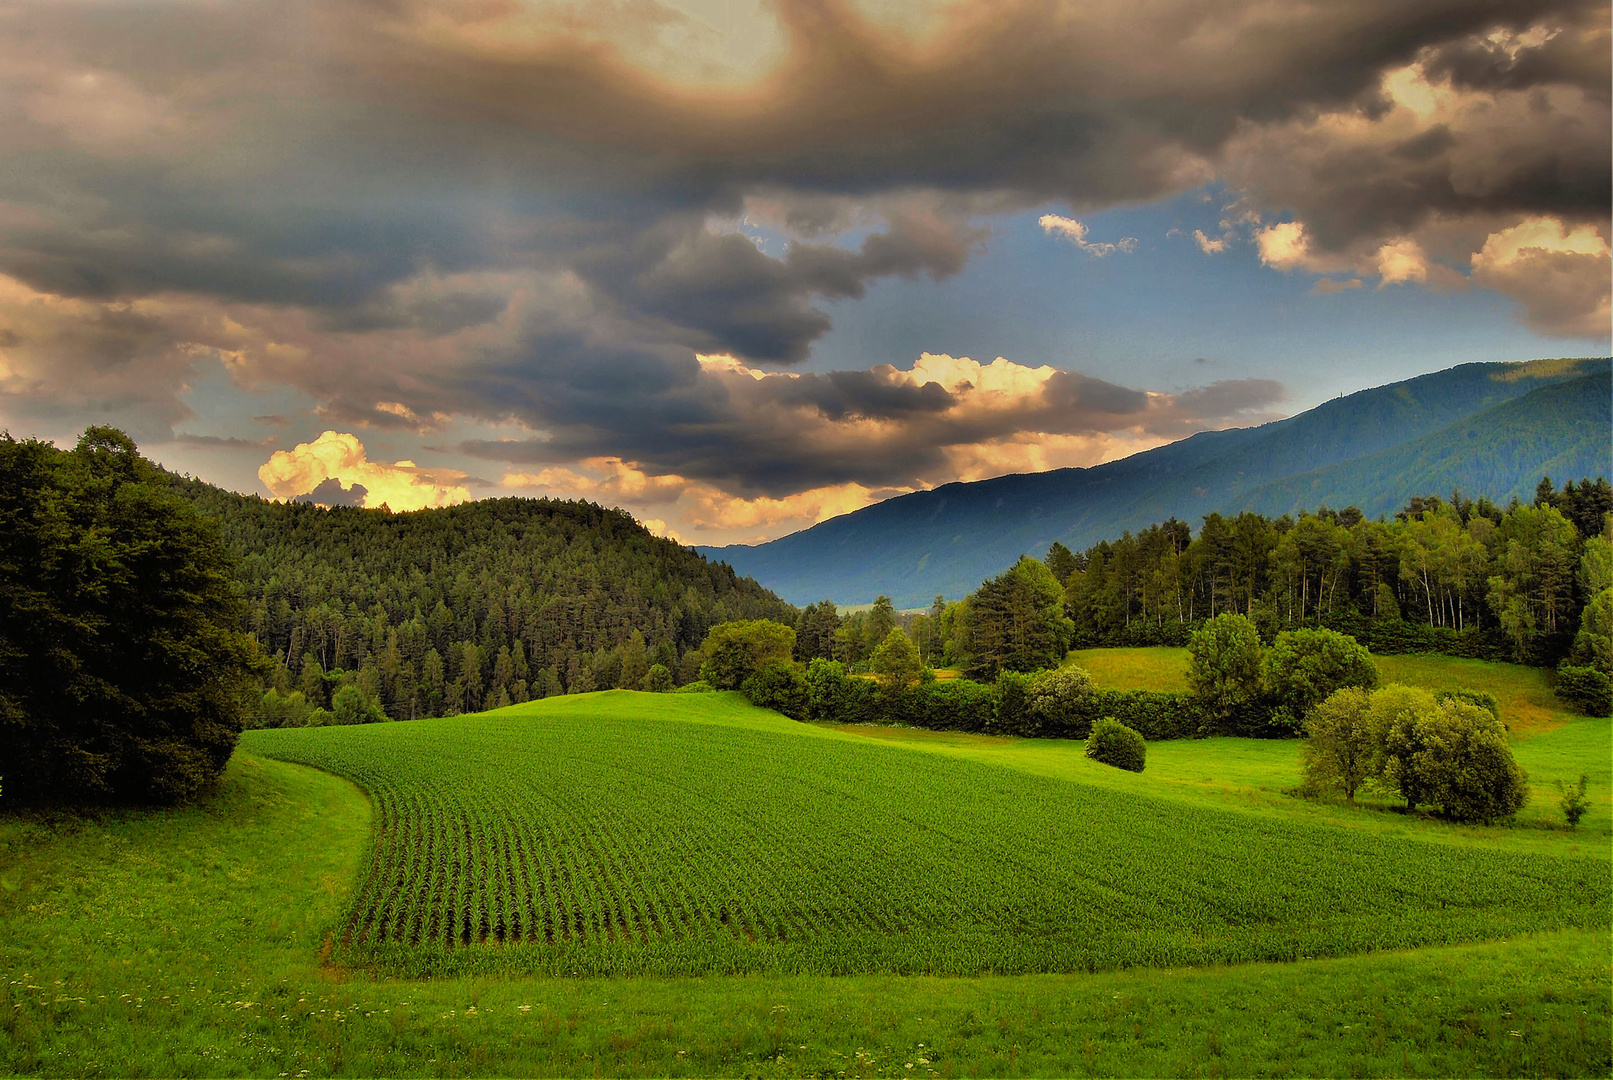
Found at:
<point>1076,233</point>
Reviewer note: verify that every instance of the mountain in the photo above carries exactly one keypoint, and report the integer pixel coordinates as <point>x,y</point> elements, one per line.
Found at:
<point>1490,428</point>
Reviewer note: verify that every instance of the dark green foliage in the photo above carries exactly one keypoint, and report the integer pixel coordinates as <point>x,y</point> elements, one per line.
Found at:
<point>1113,743</point>
<point>1482,698</point>
<point>1013,714</point>
<point>1586,689</point>
<point>735,651</point>
<point>551,596</point>
<point>1572,801</point>
<point>350,705</point>
<point>1467,763</point>
<point>1225,667</point>
<point>658,680</point>
<point>779,686</point>
<point>1304,667</point>
<point>1016,622</point>
<point>124,672</point>
<point>1056,697</point>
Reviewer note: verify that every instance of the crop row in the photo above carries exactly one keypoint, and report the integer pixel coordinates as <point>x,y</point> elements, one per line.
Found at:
<point>602,843</point>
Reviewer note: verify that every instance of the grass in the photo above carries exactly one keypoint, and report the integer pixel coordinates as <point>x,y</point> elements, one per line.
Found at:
<point>188,944</point>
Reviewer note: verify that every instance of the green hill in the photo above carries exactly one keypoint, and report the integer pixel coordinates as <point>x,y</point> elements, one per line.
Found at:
<point>694,834</point>
<point>467,607</point>
<point>945,541</point>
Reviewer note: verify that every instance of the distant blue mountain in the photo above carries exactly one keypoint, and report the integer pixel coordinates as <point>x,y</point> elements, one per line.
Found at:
<point>1489,429</point>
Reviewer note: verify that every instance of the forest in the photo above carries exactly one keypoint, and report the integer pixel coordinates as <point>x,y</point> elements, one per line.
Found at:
<point>364,613</point>
<point>1459,576</point>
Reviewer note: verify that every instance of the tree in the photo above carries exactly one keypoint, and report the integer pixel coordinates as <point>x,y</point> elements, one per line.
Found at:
<point>878,623</point>
<point>124,672</point>
<point>779,686</point>
<point>1396,712</point>
<point>1017,621</point>
<point>658,680</point>
<point>1224,667</point>
<point>1344,745</point>
<point>1304,667</point>
<point>1061,561</point>
<point>896,662</point>
<point>1572,801</point>
<point>1466,762</point>
<point>351,706</point>
<point>736,650</point>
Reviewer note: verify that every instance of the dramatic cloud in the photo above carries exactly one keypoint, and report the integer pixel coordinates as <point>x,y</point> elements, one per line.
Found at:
<point>335,470</point>
<point>418,214</point>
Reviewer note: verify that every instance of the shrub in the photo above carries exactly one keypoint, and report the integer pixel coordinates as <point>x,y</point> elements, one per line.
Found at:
<point>1344,747</point>
<point>779,687</point>
<point>1573,802</point>
<point>1054,698</point>
<point>734,651</point>
<point>1012,714</point>
<point>278,710</point>
<point>1304,667</point>
<point>699,686</point>
<point>1225,666</point>
<point>834,697</point>
<point>1113,743</point>
<point>958,705</point>
<point>657,680</point>
<point>1586,689</point>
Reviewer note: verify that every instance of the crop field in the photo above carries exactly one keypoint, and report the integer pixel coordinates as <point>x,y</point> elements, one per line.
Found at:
<point>630,833</point>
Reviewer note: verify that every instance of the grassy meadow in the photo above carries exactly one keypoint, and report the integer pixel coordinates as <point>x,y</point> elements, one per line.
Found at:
<point>739,894</point>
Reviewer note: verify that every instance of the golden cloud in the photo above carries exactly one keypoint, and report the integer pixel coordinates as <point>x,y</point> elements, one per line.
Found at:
<point>339,456</point>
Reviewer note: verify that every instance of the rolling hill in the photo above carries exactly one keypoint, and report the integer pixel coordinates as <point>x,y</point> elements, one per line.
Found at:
<point>1490,429</point>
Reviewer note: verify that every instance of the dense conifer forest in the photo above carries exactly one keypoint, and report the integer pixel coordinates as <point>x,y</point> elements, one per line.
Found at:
<point>470,607</point>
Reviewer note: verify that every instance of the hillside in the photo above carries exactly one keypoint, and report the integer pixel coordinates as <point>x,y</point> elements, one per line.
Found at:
<point>945,541</point>
<point>451,610</point>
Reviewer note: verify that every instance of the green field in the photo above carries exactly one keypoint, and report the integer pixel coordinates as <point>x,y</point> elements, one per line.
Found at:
<point>678,879</point>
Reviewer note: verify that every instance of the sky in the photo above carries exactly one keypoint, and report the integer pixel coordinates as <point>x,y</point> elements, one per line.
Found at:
<point>740,266</point>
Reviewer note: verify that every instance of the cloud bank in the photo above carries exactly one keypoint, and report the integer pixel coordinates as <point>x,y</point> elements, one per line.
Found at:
<point>417,213</point>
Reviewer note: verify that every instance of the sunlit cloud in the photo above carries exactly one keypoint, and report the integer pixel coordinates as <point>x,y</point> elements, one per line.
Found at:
<point>337,460</point>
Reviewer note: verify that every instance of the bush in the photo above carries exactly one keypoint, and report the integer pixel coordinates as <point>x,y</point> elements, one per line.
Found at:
<point>734,651</point>
<point>1012,714</point>
<point>1585,689</point>
<point>1304,668</point>
<point>897,662</point>
<point>1225,667</point>
<point>1113,743</point>
<point>1054,698</point>
<point>699,686</point>
<point>657,680</point>
<point>958,705</point>
<point>1396,710</point>
<point>834,697</point>
<point>779,687</point>
<point>1572,801</point>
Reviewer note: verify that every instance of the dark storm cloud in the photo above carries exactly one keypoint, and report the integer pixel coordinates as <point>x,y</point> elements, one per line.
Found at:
<point>330,492</point>
<point>409,210</point>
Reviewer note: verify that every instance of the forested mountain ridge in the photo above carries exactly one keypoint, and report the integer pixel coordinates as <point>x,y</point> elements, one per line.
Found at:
<point>462,608</point>
<point>945,541</point>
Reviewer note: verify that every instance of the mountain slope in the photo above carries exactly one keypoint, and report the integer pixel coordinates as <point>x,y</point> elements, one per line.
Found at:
<point>947,539</point>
